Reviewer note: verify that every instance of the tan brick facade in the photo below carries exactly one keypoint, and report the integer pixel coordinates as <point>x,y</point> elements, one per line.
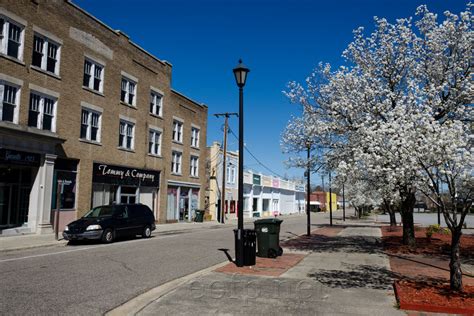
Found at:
<point>83,37</point>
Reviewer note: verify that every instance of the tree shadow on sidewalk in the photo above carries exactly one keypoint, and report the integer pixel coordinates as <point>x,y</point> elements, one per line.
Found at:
<point>348,244</point>
<point>365,276</point>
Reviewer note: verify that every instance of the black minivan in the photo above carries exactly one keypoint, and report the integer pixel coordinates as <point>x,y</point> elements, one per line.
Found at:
<point>108,222</point>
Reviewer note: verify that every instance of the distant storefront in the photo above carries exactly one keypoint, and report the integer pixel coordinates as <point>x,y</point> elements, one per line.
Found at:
<point>183,201</point>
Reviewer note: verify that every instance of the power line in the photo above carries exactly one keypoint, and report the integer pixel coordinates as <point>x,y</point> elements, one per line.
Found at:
<point>256,159</point>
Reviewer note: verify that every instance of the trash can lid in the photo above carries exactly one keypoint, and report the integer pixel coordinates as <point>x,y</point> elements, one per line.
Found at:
<point>268,221</point>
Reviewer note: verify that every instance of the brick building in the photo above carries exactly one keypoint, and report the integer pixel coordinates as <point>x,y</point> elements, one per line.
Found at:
<point>88,114</point>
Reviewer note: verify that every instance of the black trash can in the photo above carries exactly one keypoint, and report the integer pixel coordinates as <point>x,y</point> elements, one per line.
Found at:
<point>268,237</point>
<point>250,240</point>
<point>199,216</point>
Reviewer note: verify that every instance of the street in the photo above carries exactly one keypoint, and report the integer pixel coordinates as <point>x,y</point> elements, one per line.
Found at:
<point>94,278</point>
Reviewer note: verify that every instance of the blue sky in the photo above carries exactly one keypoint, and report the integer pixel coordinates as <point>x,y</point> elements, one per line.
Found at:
<point>279,40</point>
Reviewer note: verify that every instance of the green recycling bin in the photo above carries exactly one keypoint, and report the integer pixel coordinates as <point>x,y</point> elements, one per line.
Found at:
<point>268,237</point>
<point>199,216</point>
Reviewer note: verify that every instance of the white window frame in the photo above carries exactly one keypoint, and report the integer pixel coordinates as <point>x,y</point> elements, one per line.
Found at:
<point>230,174</point>
<point>194,166</point>
<point>152,132</point>
<point>125,86</point>
<point>176,162</point>
<point>16,111</point>
<point>41,109</point>
<point>90,113</point>
<point>195,133</point>
<point>94,66</point>
<point>45,51</point>
<point>4,33</point>
<point>154,105</point>
<point>127,127</point>
<point>178,131</point>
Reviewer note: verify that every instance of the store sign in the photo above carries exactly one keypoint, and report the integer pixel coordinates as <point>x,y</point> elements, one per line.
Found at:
<point>256,179</point>
<point>276,183</point>
<point>19,157</point>
<point>105,173</point>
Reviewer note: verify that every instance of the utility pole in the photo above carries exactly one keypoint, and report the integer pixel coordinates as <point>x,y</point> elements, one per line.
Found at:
<point>343,204</point>
<point>330,200</point>
<point>224,166</point>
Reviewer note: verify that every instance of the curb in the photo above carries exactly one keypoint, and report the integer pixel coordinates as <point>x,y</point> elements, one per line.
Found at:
<point>56,243</point>
<point>140,302</point>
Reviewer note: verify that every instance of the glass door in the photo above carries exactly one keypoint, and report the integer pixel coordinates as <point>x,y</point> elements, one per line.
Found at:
<point>184,204</point>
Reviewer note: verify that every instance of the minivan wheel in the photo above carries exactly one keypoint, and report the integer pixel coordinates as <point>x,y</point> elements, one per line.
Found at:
<point>146,232</point>
<point>108,236</point>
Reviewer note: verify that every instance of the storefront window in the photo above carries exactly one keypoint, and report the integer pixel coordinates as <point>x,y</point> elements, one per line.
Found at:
<point>65,172</point>
<point>172,203</point>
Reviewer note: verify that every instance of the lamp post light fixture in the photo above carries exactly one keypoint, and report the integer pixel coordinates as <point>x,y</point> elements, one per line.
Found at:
<point>240,73</point>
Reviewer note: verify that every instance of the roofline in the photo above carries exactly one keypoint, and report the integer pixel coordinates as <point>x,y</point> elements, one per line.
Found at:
<point>188,98</point>
<point>117,32</point>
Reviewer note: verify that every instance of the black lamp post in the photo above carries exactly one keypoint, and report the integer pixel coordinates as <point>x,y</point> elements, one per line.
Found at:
<point>308,192</point>
<point>240,73</point>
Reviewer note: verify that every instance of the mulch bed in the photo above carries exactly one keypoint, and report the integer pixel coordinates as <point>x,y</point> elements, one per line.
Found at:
<point>423,272</point>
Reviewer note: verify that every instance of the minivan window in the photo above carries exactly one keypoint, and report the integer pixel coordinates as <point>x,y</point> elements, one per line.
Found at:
<point>100,211</point>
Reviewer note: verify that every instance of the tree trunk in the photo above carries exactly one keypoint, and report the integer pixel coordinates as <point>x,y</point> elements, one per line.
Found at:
<point>393,219</point>
<point>406,212</point>
<point>455,272</point>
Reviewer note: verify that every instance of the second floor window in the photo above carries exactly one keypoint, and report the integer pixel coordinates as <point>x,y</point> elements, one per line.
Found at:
<point>128,91</point>
<point>93,76</point>
<point>90,125</point>
<point>154,142</point>
<point>194,166</point>
<point>126,133</point>
<point>11,38</point>
<point>178,131</point>
<point>176,162</point>
<point>9,96</point>
<point>41,114</point>
<point>156,103</point>
<point>230,174</point>
<point>45,54</point>
<point>194,137</point>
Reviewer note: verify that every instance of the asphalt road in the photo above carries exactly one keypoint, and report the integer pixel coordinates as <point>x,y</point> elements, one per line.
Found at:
<point>426,219</point>
<point>94,278</point>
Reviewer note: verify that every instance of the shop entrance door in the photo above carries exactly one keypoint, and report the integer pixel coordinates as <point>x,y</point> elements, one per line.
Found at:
<point>184,205</point>
<point>15,190</point>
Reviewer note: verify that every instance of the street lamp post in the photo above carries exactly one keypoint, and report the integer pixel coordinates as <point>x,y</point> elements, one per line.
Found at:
<point>308,193</point>
<point>330,200</point>
<point>240,73</point>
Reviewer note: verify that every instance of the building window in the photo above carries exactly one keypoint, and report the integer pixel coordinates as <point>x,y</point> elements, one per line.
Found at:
<point>156,101</point>
<point>178,131</point>
<point>176,162</point>
<point>42,110</point>
<point>11,38</point>
<point>90,125</point>
<point>126,134</point>
<point>10,98</point>
<point>93,76</point>
<point>128,93</point>
<point>230,174</point>
<point>154,142</point>
<point>194,166</point>
<point>45,54</point>
<point>194,137</point>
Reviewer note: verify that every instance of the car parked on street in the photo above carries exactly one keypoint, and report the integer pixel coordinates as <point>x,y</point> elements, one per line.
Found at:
<point>108,222</point>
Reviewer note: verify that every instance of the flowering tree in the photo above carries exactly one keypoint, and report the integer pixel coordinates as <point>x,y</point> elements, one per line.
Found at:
<point>401,114</point>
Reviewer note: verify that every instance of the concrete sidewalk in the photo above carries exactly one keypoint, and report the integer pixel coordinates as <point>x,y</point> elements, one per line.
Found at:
<point>343,272</point>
